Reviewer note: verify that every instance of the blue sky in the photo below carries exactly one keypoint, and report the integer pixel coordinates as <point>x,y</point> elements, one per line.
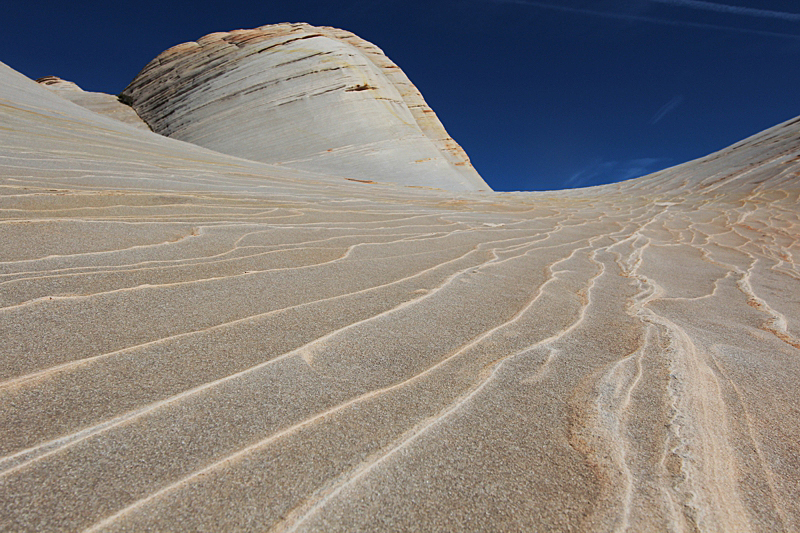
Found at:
<point>541,94</point>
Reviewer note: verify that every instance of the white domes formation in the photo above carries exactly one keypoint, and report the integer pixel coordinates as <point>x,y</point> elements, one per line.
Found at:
<point>104,104</point>
<point>310,98</point>
<point>192,341</point>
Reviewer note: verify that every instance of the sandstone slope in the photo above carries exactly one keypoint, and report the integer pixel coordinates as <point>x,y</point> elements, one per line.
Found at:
<point>312,98</point>
<point>193,341</point>
<point>104,104</point>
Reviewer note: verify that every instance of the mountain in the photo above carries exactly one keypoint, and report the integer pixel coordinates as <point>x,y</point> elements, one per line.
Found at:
<point>306,97</point>
<point>193,340</point>
<point>104,104</point>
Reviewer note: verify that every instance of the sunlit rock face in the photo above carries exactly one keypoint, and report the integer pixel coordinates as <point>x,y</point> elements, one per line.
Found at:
<point>191,341</point>
<point>311,98</point>
<point>104,104</point>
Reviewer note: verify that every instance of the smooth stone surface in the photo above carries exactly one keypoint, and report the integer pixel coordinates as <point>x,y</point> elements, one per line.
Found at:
<point>102,103</point>
<point>196,342</point>
<point>312,98</point>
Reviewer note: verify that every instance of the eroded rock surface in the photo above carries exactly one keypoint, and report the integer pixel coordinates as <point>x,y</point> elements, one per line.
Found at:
<point>192,341</point>
<point>312,98</point>
<point>102,103</point>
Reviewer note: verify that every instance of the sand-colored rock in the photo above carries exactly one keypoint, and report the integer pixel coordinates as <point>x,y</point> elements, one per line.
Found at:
<point>312,98</point>
<point>102,103</point>
<point>196,342</point>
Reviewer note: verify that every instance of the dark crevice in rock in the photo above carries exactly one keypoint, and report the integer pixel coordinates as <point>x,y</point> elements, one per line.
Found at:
<point>361,87</point>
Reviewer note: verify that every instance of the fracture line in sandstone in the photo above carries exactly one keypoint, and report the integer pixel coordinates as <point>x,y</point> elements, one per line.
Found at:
<point>49,448</point>
<point>241,453</point>
<point>419,430</point>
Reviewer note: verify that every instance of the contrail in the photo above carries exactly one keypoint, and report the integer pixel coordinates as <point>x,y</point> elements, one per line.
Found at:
<point>567,9</point>
<point>666,108</point>
<point>652,20</point>
<point>736,10</point>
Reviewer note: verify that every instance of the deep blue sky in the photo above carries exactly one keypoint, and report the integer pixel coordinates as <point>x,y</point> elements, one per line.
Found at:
<point>541,94</point>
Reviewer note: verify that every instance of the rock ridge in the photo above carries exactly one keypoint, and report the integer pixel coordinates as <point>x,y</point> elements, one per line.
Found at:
<point>314,98</point>
<point>193,341</point>
<point>102,103</point>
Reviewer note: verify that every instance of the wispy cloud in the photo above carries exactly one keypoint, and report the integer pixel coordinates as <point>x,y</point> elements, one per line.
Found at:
<point>581,178</point>
<point>734,10</point>
<point>652,20</point>
<point>667,108</point>
<point>565,9</point>
<point>599,172</point>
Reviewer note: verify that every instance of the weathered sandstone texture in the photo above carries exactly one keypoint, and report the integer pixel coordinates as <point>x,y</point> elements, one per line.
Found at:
<point>197,342</point>
<point>102,103</point>
<point>312,98</point>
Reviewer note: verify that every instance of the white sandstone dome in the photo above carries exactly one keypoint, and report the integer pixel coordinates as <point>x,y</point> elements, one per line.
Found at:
<point>312,98</point>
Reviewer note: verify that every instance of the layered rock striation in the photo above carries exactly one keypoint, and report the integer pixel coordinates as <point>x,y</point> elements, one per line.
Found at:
<point>312,98</point>
<point>192,341</point>
<point>104,104</point>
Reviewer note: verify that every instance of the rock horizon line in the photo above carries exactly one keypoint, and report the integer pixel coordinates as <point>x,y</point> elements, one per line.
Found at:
<point>269,293</point>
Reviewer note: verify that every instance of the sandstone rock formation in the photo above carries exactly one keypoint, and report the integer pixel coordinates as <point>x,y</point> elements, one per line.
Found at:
<point>194,341</point>
<point>311,98</point>
<point>102,103</point>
